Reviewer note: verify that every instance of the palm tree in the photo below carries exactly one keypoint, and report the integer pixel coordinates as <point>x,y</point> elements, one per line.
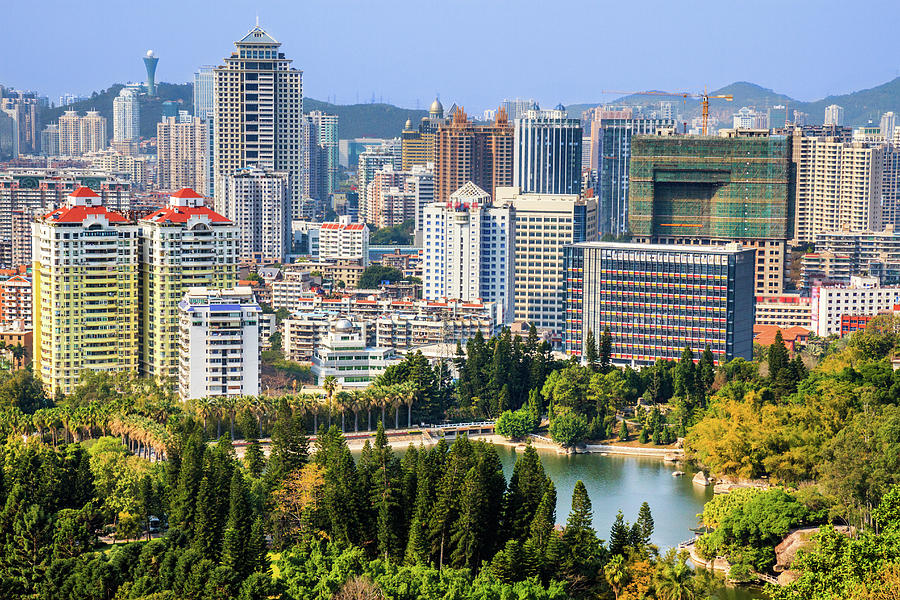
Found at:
<point>616,573</point>
<point>369,400</point>
<point>674,578</point>
<point>19,352</point>
<point>357,399</point>
<point>408,395</point>
<point>343,400</point>
<point>329,384</point>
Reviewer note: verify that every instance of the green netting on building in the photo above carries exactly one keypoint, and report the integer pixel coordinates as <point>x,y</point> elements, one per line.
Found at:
<point>695,186</point>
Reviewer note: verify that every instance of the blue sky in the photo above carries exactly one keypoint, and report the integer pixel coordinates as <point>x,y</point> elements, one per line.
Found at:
<point>473,52</point>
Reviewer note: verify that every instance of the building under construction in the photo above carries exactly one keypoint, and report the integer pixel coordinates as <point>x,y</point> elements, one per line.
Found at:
<point>687,189</point>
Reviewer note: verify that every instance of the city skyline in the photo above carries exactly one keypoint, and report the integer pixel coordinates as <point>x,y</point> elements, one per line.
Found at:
<point>754,52</point>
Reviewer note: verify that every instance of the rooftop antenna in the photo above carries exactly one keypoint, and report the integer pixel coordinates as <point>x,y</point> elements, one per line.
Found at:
<point>257,18</point>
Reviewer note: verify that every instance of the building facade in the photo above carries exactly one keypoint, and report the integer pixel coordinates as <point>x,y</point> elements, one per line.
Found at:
<point>80,135</point>
<point>657,299</point>
<point>547,152</point>
<point>344,240</point>
<point>16,305</point>
<point>468,251</point>
<point>258,110</point>
<point>257,201</point>
<point>327,134</point>
<point>785,310</point>
<point>544,225</point>
<point>862,297</point>
<point>219,343</point>
<point>370,162</point>
<point>344,355</point>
<point>181,150</point>
<point>85,292</point>
<point>127,116</point>
<point>182,246</point>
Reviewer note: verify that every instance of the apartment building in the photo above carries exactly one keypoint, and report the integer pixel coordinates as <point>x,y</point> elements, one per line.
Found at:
<point>344,355</point>
<point>783,310</point>
<point>344,240</point>
<point>16,303</point>
<point>863,296</point>
<point>182,149</point>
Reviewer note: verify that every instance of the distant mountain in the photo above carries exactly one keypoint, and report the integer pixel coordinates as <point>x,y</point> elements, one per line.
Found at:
<point>356,120</point>
<point>859,107</point>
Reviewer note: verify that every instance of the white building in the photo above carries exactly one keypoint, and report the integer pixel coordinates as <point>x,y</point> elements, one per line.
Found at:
<point>547,152</point>
<point>127,116</point>
<point>468,249</point>
<point>834,115</point>
<point>258,110</point>
<point>370,162</point>
<point>747,118</point>
<point>258,202</point>
<point>863,297</point>
<point>326,127</point>
<point>219,343</point>
<point>344,240</point>
<point>344,355</point>
<point>544,224</point>
<point>81,134</point>
<point>783,310</point>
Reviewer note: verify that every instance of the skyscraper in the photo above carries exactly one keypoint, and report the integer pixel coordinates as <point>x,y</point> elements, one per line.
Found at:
<point>23,108</point>
<point>258,201</point>
<point>468,250</point>
<point>888,125</point>
<point>547,154</point>
<point>127,116</point>
<point>464,152</point>
<point>258,110</point>
<point>150,61</point>
<point>370,162</point>
<point>418,141</point>
<point>544,224</point>
<point>181,150</point>
<point>50,140</point>
<point>204,92</point>
<point>326,127</point>
<point>834,115</point>
<point>85,292</point>
<point>81,134</point>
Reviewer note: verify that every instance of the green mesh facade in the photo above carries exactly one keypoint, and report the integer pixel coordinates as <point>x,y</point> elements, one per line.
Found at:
<point>696,186</point>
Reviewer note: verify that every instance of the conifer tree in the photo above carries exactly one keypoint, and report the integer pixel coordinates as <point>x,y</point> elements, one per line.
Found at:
<point>541,529</point>
<point>447,498</point>
<point>236,539</point>
<point>473,534</point>
<point>707,369</point>
<point>619,537</point>
<point>290,446</point>
<point>526,489</point>
<point>591,358</point>
<point>580,551</point>
<point>623,431</point>
<point>184,500</point>
<point>254,458</point>
<point>385,496</point>
<point>645,522</point>
<point>778,356</point>
<point>204,539</point>
<point>257,548</point>
<point>605,349</point>
<point>417,542</point>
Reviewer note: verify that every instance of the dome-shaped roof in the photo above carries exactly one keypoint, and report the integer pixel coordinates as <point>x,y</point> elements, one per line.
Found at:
<point>560,106</point>
<point>408,125</point>
<point>436,107</point>
<point>343,325</point>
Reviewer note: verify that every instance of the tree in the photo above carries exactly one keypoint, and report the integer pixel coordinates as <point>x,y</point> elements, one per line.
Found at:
<point>590,351</point>
<point>605,349</point>
<point>778,356</point>
<point>675,578</point>
<point>623,432</point>
<point>616,573</point>
<point>236,540</point>
<point>527,486</point>
<point>373,275</point>
<point>581,552</point>
<point>385,495</point>
<point>568,429</point>
<point>618,535</point>
<point>645,523</point>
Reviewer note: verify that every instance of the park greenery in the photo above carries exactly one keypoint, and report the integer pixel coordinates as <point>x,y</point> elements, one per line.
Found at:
<point>818,436</point>
<point>398,235</point>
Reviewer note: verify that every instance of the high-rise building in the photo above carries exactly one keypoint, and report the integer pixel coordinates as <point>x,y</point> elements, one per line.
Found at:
<point>418,142</point>
<point>85,292</point>
<point>50,140</point>
<point>544,225</point>
<point>127,116</point>
<point>258,201</point>
<point>390,201</point>
<point>547,152</point>
<point>370,162</point>
<point>219,343</point>
<point>890,185</point>
<point>610,156</point>
<point>887,125</point>
<point>204,105</point>
<point>464,152</point>
<point>23,109</point>
<point>150,60</point>
<point>688,189</point>
<point>638,292</point>
<point>862,297</point>
<point>16,304</point>
<point>79,135</point>
<point>468,250</point>
<point>420,181</point>
<point>258,110</point>
<point>27,193</point>
<point>516,108</point>
<point>838,186</point>
<point>834,115</point>
<point>67,99</point>
<point>344,240</point>
<point>182,246</point>
<point>747,118</point>
<point>136,169</point>
<point>326,127</point>
<point>181,149</point>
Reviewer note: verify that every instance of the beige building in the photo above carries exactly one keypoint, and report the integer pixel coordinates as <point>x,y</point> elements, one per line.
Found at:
<point>838,187</point>
<point>181,150</point>
<point>135,168</point>
<point>80,135</point>
<point>783,310</point>
<point>544,224</point>
<point>258,118</point>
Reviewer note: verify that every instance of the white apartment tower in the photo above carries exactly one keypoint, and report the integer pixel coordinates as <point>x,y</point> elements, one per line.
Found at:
<point>834,115</point>
<point>258,110</point>
<point>544,224</point>
<point>344,241</point>
<point>219,345</point>
<point>258,202</point>
<point>81,134</point>
<point>181,149</point>
<point>327,131</point>
<point>838,186</point>
<point>127,116</point>
<point>468,250</point>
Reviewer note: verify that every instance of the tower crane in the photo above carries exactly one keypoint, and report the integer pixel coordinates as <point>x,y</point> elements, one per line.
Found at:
<point>704,100</point>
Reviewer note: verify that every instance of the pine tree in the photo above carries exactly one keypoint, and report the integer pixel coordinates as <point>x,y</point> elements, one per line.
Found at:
<point>184,499</point>
<point>254,459</point>
<point>623,432</point>
<point>778,356</point>
<point>618,535</point>
<point>526,488</point>
<point>645,522</point>
<point>580,549</point>
<point>542,526</point>
<point>417,541</point>
<point>605,349</point>
<point>685,381</point>
<point>235,545</point>
<point>645,437</point>
<point>205,540</point>
<point>447,498</point>
<point>591,359</point>
<point>257,548</point>
<point>707,369</point>
<point>290,446</point>
<point>472,536</point>
<point>385,496</point>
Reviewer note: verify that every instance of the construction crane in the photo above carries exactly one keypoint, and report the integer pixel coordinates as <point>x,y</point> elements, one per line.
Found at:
<point>704,100</point>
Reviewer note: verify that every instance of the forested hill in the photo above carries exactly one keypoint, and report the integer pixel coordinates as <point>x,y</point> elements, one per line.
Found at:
<point>356,120</point>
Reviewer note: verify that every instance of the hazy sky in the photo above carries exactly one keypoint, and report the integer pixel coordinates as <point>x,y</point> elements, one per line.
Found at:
<point>474,52</point>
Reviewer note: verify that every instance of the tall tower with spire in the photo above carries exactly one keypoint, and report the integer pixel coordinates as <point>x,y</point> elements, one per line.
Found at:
<point>150,60</point>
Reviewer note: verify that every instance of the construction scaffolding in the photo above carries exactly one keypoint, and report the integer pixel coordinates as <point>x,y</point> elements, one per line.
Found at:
<point>710,187</point>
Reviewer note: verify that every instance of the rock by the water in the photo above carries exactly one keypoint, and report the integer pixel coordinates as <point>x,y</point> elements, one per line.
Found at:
<point>677,473</point>
<point>701,479</point>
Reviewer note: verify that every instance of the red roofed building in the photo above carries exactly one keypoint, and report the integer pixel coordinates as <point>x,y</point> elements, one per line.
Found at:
<point>344,241</point>
<point>15,303</point>
<point>85,291</point>
<point>183,245</point>
<point>794,337</point>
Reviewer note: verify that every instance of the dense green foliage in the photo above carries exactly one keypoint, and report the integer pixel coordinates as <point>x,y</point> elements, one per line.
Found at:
<point>398,235</point>
<point>374,275</point>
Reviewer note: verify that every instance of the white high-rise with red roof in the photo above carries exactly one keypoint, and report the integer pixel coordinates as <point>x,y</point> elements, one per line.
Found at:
<point>182,245</point>
<point>85,292</point>
<point>344,240</point>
